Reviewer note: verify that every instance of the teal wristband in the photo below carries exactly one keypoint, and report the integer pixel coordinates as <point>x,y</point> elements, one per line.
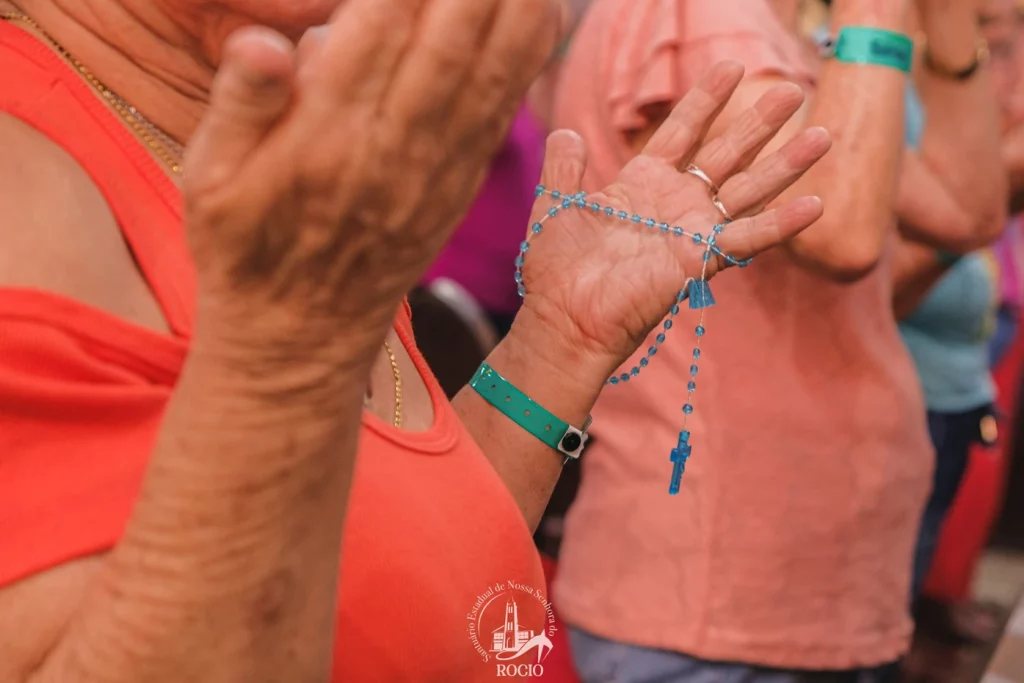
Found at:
<point>863,45</point>
<point>529,414</point>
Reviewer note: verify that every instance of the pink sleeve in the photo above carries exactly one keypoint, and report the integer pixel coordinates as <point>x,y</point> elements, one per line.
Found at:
<point>660,48</point>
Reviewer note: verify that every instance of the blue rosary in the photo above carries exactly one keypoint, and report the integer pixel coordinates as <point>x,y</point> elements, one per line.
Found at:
<point>697,291</point>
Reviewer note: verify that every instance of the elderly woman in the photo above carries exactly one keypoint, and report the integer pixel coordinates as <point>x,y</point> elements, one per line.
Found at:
<point>207,377</point>
<point>801,511</point>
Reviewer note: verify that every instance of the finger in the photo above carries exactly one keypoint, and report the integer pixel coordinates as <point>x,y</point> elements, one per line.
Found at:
<point>441,59</point>
<point>364,43</point>
<point>311,43</point>
<point>252,90</point>
<point>565,162</point>
<point>749,237</point>
<point>748,192</point>
<point>521,41</point>
<point>737,148</point>
<point>677,139</point>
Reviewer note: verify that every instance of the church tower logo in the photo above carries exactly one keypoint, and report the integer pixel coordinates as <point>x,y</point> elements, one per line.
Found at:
<point>512,625</point>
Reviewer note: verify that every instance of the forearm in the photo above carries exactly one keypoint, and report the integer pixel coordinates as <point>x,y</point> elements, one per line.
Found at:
<point>228,568</point>
<point>863,109</point>
<point>559,378</point>
<point>961,145</point>
<point>916,269</point>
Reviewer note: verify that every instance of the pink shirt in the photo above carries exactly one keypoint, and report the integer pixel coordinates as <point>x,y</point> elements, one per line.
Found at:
<point>790,544</point>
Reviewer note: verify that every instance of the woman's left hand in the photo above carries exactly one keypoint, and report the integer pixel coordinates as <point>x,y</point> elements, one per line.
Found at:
<point>597,285</point>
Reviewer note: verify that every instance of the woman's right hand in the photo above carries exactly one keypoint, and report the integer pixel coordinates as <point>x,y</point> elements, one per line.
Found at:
<point>324,179</point>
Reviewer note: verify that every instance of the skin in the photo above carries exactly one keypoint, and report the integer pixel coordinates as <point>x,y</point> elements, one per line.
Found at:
<point>948,194</point>
<point>916,267</point>
<point>228,568</point>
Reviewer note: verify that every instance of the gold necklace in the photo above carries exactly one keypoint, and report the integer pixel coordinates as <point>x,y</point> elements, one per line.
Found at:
<point>166,148</point>
<point>398,383</point>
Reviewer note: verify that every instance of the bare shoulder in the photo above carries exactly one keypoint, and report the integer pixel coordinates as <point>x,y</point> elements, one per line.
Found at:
<point>57,233</point>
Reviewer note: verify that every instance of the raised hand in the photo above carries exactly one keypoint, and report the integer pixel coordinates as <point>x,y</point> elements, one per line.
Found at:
<point>323,181</point>
<point>604,283</point>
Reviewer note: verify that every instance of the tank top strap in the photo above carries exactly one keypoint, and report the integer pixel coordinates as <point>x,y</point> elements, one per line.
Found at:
<point>43,90</point>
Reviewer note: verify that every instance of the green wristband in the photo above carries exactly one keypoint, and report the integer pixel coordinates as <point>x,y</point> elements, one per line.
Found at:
<point>529,414</point>
<point>864,45</point>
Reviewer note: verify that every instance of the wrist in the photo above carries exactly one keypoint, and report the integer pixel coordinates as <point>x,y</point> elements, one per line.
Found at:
<point>544,363</point>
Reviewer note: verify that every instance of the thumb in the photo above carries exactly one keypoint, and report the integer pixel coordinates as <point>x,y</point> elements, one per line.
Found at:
<point>565,162</point>
<point>251,91</point>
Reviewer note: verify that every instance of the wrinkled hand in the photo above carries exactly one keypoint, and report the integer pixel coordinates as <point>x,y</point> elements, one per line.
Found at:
<point>325,179</point>
<point>602,283</point>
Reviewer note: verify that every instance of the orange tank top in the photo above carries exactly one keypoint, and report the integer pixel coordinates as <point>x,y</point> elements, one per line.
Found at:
<point>434,540</point>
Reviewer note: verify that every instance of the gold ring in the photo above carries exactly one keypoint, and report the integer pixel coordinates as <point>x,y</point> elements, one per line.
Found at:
<point>721,207</point>
<point>695,171</point>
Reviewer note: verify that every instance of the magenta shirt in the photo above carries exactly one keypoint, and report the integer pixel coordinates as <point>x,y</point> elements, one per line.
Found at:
<point>481,254</point>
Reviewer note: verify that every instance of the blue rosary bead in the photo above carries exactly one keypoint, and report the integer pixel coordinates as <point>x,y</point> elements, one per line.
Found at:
<point>697,291</point>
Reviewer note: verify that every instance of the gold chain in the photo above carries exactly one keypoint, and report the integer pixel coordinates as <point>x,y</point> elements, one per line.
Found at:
<point>166,148</point>
<point>398,384</point>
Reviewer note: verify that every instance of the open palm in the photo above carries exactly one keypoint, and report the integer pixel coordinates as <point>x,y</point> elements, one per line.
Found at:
<point>609,281</point>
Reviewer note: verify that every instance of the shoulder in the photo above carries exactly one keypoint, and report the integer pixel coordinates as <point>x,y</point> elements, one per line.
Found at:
<point>57,232</point>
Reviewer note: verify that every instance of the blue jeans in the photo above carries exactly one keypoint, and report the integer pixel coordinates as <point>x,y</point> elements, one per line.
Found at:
<point>606,661</point>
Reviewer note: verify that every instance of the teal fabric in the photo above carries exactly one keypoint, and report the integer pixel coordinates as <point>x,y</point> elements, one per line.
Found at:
<point>947,336</point>
<point>948,333</point>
